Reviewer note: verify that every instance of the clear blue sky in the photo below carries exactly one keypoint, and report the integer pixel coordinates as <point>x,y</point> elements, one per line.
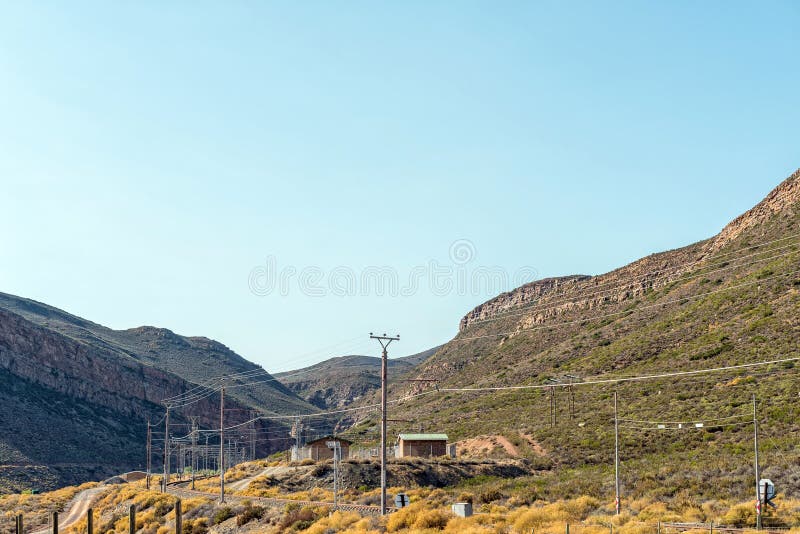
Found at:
<point>153,154</point>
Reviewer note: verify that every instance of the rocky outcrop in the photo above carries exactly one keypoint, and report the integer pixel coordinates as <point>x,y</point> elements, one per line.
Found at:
<point>194,359</point>
<point>539,301</point>
<point>524,295</point>
<point>84,372</point>
<point>100,400</point>
<point>783,198</point>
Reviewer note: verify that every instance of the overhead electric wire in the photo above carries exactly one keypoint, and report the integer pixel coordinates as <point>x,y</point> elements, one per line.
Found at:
<point>597,381</point>
<point>213,380</point>
<point>245,374</point>
<point>329,412</point>
<point>624,312</point>
<point>617,380</point>
<point>592,291</point>
<point>197,398</point>
<point>214,385</point>
<point>687,427</point>
<point>691,422</point>
<point>530,308</point>
<point>714,257</point>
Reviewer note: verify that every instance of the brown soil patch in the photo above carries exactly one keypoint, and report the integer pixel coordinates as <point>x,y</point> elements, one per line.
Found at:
<point>482,446</point>
<point>535,445</point>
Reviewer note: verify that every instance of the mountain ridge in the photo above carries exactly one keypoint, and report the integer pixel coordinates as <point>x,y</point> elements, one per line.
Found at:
<point>343,380</point>
<point>782,197</point>
<point>515,369</point>
<point>94,389</point>
<point>195,358</point>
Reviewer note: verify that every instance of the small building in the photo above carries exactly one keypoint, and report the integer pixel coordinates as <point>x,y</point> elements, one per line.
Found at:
<point>319,450</point>
<point>421,445</point>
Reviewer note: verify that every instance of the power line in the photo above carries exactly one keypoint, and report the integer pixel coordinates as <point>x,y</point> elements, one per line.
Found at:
<point>690,426</point>
<point>683,422</point>
<point>618,380</point>
<point>586,382</point>
<point>583,295</point>
<point>210,387</point>
<point>714,257</point>
<point>626,312</point>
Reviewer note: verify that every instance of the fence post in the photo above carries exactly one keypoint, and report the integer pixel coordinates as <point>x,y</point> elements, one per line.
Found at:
<point>178,517</point>
<point>55,522</point>
<point>132,519</point>
<point>567,528</point>
<point>711,527</point>
<point>90,521</point>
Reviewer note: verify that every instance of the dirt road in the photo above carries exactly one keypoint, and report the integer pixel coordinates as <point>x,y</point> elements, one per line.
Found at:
<point>239,485</point>
<point>76,508</point>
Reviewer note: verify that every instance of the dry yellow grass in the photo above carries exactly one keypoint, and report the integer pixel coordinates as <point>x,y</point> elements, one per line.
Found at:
<point>37,508</point>
<point>429,511</point>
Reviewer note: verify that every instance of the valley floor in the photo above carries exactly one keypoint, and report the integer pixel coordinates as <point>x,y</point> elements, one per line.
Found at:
<point>272,497</point>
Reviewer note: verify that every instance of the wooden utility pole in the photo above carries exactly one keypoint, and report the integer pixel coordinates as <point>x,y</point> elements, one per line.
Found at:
<point>252,435</point>
<point>149,453</point>
<point>222,445</point>
<point>194,449</point>
<point>166,450</point>
<point>758,473</point>
<point>617,502</point>
<point>385,341</point>
<point>132,519</point>
<point>90,521</point>
<point>178,517</point>
<point>55,522</point>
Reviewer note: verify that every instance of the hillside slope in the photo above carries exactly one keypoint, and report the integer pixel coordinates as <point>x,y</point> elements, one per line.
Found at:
<point>195,359</point>
<point>338,382</point>
<point>75,397</point>
<point>730,300</point>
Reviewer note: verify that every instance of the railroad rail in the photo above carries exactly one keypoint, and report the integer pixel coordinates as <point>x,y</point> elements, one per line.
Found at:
<point>362,509</point>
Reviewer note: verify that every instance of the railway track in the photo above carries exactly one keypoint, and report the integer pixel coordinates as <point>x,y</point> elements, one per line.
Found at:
<point>362,509</point>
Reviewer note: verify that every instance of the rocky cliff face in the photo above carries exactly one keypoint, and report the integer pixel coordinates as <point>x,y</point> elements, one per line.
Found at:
<point>81,371</point>
<point>692,334</point>
<point>783,198</point>
<point>85,407</point>
<point>195,359</point>
<point>554,296</point>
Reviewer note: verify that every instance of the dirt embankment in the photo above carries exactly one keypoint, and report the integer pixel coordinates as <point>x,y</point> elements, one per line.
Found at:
<point>409,473</point>
<point>497,445</point>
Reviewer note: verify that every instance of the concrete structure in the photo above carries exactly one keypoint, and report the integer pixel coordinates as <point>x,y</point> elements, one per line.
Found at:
<point>421,445</point>
<point>319,450</point>
<point>462,509</point>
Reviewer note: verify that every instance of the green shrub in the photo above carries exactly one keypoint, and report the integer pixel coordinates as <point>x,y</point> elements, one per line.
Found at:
<point>250,513</point>
<point>223,514</point>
